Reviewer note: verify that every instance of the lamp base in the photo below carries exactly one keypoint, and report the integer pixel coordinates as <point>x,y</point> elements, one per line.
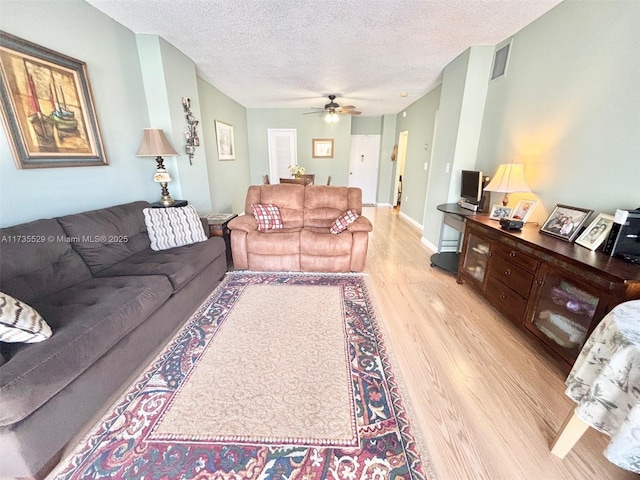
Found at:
<point>166,199</point>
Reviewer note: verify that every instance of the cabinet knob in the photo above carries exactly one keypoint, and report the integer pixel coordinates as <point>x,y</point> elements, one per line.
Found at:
<point>507,273</point>
<point>513,254</point>
<point>489,254</point>
<point>503,296</point>
<point>539,281</point>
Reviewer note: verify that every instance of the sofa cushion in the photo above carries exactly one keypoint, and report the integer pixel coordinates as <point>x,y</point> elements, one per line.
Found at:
<point>87,320</point>
<point>288,197</point>
<point>173,227</point>
<point>21,323</point>
<point>285,241</point>
<point>106,236</point>
<point>267,216</point>
<point>36,260</point>
<point>319,241</point>
<point>341,223</point>
<point>180,265</point>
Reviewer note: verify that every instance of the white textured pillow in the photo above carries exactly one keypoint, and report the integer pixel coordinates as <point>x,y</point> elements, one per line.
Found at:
<point>173,227</point>
<point>21,323</point>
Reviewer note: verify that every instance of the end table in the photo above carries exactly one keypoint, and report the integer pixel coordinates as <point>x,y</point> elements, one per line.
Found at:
<point>218,228</point>
<point>177,203</point>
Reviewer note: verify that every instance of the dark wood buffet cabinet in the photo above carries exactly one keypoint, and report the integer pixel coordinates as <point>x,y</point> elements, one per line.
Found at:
<point>556,291</point>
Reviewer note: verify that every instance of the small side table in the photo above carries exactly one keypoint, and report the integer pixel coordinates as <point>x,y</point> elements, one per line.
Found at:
<point>453,215</point>
<point>218,228</point>
<point>177,203</point>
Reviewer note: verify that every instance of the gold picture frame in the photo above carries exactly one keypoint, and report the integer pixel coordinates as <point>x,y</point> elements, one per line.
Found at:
<point>47,107</point>
<point>225,141</point>
<point>322,148</point>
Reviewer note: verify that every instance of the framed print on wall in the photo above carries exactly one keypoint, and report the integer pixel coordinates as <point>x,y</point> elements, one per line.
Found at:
<point>322,147</point>
<point>596,232</point>
<point>565,222</point>
<point>224,138</point>
<point>47,107</point>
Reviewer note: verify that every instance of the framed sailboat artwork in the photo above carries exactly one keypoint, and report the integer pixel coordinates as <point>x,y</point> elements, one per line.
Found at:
<point>47,107</point>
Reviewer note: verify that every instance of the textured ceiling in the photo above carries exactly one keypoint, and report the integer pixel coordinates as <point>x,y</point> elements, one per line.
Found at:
<point>293,53</point>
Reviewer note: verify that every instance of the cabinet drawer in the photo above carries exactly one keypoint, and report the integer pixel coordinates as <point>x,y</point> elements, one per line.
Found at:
<point>515,256</point>
<point>506,300</point>
<point>512,275</point>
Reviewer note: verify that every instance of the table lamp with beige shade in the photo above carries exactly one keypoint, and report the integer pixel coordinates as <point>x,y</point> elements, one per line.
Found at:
<point>508,179</point>
<point>155,144</point>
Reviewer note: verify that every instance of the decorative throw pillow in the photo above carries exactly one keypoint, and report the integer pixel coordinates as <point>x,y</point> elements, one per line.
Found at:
<point>21,323</point>
<point>343,221</point>
<point>268,216</point>
<point>173,227</point>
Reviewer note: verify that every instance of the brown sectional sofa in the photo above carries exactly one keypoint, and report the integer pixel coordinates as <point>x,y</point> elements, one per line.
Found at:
<point>305,243</point>
<point>110,304</point>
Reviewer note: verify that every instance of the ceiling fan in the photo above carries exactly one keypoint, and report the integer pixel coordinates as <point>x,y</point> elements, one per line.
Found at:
<point>332,109</point>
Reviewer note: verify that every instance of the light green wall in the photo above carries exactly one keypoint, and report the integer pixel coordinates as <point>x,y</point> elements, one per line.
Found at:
<point>386,168</point>
<point>78,30</point>
<point>420,122</point>
<point>569,107</point>
<point>366,125</point>
<point>228,180</point>
<point>308,127</point>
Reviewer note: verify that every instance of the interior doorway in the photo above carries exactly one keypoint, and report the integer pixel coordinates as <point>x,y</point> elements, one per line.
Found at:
<point>363,165</point>
<point>283,152</point>
<point>403,138</point>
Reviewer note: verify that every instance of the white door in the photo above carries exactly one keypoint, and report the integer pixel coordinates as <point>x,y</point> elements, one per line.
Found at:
<point>363,165</point>
<point>283,151</point>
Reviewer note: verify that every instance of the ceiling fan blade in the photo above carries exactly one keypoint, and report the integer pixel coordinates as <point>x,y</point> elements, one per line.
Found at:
<point>348,107</point>
<point>311,113</point>
<point>352,112</point>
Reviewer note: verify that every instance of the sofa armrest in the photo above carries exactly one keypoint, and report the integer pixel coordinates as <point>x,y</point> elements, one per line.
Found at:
<point>246,223</point>
<point>362,224</point>
<point>205,225</point>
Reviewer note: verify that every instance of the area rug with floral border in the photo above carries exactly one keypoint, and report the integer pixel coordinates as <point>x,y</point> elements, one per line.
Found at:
<point>275,376</point>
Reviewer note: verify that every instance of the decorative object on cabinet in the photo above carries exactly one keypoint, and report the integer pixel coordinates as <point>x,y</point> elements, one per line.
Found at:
<point>322,147</point>
<point>500,211</point>
<point>191,133</point>
<point>555,291</point>
<point>508,179</point>
<point>565,222</point>
<point>523,210</point>
<point>225,141</point>
<point>155,144</point>
<point>47,107</point>
<point>596,232</point>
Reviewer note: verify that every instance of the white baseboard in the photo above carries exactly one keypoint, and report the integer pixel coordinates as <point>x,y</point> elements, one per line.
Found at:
<point>388,205</point>
<point>428,244</point>
<point>410,221</point>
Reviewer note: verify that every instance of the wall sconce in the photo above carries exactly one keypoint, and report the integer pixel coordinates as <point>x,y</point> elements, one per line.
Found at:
<point>155,144</point>
<point>191,133</point>
<point>508,179</point>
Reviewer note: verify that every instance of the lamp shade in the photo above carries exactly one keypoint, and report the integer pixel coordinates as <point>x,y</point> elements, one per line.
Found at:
<point>509,178</point>
<point>155,144</point>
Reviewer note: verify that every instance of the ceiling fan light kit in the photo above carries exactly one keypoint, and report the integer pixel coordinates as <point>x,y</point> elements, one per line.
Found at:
<point>332,110</point>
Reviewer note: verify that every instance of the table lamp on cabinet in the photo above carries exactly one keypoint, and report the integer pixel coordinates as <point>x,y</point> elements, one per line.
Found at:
<point>155,144</point>
<point>508,179</point>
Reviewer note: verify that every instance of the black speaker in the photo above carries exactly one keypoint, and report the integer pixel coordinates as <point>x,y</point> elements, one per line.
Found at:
<point>509,224</point>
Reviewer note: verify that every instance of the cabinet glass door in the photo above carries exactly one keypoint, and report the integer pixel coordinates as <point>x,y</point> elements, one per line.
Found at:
<point>475,259</point>
<point>563,314</point>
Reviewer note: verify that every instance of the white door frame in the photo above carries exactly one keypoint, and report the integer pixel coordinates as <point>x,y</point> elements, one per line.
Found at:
<point>403,138</point>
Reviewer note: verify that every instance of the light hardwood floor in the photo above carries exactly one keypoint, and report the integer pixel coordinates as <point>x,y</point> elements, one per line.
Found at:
<point>487,400</point>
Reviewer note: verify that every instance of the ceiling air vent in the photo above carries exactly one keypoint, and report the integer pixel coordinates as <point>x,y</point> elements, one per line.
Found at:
<point>500,61</point>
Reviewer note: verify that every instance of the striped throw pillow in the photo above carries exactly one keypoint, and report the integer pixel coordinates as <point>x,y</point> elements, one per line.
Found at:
<point>21,323</point>
<point>268,216</point>
<point>173,227</point>
<point>343,221</point>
